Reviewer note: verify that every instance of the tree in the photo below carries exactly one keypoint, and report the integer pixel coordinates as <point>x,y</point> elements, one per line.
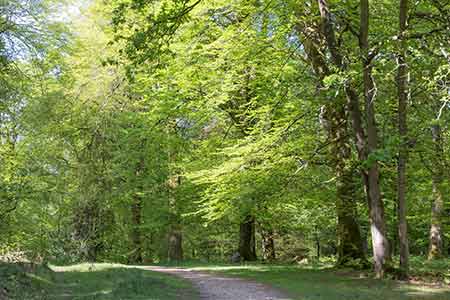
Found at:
<point>402,84</point>
<point>380,243</point>
<point>173,129</point>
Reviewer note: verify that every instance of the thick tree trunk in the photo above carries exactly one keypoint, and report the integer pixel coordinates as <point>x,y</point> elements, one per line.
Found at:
<point>88,230</point>
<point>359,134</point>
<point>247,247</point>
<point>136,217</point>
<point>436,244</point>
<point>350,242</point>
<point>402,85</point>
<point>380,242</point>
<point>349,237</point>
<point>350,246</point>
<point>268,244</point>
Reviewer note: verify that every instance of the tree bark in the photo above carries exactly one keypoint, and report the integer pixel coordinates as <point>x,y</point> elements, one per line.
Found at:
<point>318,249</point>
<point>88,230</point>
<point>175,248</point>
<point>436,245</point>
<point>350,246</point>
<point>136,216</point>
<point>380,242</point>
<point>175,237</point>
<point>349,237</point>
<point>376,208</point>
<point>402,84</point>
<point>247,247</point>
<point>268,244</point>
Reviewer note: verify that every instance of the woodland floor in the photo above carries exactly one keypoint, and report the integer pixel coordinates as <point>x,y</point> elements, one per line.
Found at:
<point>92,282</point>
<point>193,281</point>
<point>429,280</point>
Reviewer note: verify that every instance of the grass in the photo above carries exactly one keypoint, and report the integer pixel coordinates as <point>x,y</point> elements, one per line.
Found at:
<point>431,271</point>
<point>95,281</point>
<point>322,282</point>
<point>318,281</point>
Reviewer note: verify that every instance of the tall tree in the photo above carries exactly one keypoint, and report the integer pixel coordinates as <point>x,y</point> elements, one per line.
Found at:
<point>376,210</point>
<point>334,113</point>
<point>403,95</point>
<point>437,212</point>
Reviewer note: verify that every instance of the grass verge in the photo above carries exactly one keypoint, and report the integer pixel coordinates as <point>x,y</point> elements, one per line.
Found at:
<point>91,281</point>
<point>323,282</point>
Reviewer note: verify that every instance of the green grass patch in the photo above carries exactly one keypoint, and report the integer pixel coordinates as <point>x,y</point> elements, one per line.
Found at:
<point>322,282</point>
<point>430,270</point>
<point>99,282</point>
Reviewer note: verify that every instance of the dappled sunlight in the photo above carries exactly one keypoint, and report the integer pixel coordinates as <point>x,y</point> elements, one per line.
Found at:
<point>225,268</point>
<point>86,267</point>
<point>219,285</point>
<point>262,268</point>
<point>329,283</point>
<point>75,295</point>
<point>39,278</point>
<point>114,281</point>
<point>242,149</point>
<point>424,292</point>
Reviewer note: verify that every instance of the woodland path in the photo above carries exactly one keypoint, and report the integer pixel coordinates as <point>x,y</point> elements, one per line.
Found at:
<point>216,287</point>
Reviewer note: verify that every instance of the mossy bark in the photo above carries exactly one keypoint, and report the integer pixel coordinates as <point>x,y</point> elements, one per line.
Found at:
<point>334,119</point>
<point>350,245</point>
<point>365,146</point>
<point>247,247</point>
<point>88,231</point>
<point>268,244</point>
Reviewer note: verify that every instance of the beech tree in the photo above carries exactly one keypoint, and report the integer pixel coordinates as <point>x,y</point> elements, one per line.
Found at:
<point>146,131</point>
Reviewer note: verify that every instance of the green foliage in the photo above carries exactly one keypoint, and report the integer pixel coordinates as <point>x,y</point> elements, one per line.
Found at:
<point>140,118</point>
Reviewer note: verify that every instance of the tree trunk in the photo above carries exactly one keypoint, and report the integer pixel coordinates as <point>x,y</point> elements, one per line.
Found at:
<point>402,85</point>
<point>136,216</point>
<point>247,247</point>
<point>349,237</point>
<point>175,248</point>
<point>436,244</point>
<point>88,230</point>
<point>175,238</point>
<point>350,246</point>
<point>380,242</point>
<point>350,242</point>
<point>318,247</point>
<point>268,244</point>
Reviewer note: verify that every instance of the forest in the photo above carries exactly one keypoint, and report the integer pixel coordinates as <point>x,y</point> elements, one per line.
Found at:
<point>308,139</point>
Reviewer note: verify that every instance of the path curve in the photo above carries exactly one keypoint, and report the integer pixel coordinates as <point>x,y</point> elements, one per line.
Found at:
<point>216,287</point>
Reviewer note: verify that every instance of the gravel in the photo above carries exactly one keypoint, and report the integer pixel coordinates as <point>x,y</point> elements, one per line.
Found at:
<point>216,287</point>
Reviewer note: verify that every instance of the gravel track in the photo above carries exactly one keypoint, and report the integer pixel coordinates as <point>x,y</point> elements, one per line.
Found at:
<point>216,287</point>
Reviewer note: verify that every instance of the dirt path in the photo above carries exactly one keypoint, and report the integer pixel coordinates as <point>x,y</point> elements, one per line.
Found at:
<point>216,287</point>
